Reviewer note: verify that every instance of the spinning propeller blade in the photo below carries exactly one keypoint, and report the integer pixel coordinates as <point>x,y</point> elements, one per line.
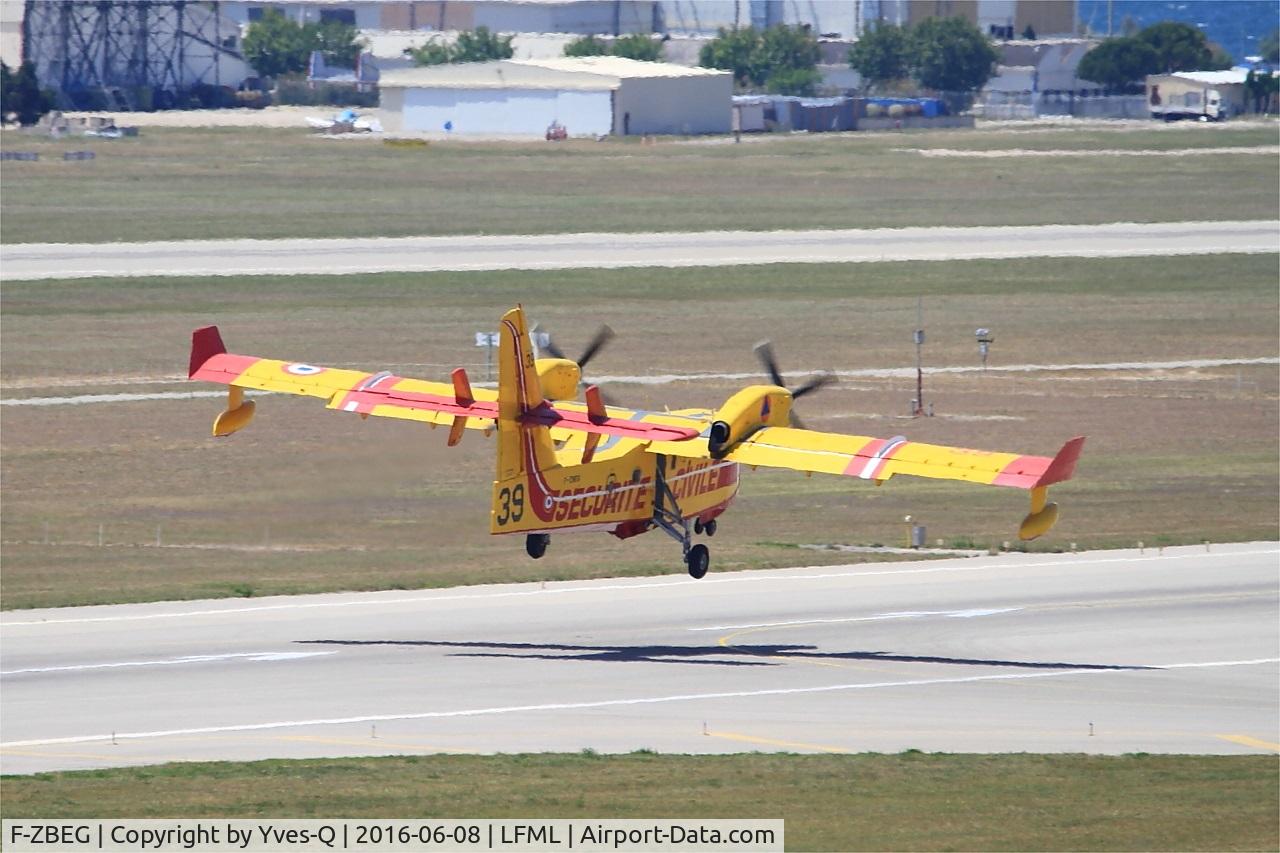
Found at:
<point>602,336</point>
<point>764,352</point>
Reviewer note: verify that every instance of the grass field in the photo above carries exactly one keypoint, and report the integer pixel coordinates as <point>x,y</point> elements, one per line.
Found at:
<point>910,801</point>
<point>211,183</point>
<point>309,500</point>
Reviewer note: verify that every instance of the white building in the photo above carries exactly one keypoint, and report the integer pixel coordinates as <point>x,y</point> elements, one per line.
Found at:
<point>589,96</point>
<point>11,32</point>
<point>601,17</point>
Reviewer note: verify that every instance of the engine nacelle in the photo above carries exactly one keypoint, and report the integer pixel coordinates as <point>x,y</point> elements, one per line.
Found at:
<point>751,409</point>
<point>559,378</point>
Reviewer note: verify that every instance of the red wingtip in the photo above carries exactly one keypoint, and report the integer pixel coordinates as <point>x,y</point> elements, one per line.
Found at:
<point>1063,465</point>
<point>205,344</point>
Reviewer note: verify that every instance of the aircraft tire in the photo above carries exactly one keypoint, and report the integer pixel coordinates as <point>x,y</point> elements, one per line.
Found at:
<point>697,526</point>
<point>710,527</point>
<point>698,560</point>
<point>535,544</point>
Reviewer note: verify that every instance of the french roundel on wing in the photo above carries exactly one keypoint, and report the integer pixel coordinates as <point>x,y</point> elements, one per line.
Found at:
<point>303,369</point>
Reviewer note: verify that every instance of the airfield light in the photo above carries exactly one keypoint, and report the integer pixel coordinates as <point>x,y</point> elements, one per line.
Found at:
<point>985,338</point>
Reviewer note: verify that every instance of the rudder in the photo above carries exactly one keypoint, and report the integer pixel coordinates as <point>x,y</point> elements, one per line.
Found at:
<point>520,447</point>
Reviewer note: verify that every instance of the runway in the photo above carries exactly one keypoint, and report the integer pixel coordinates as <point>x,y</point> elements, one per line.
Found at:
<point>1102,652</point>
<point>33,261</point>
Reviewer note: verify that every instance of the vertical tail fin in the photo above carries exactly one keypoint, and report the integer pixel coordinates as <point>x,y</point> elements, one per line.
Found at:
<point>518,387</point>
<point>521,448</point>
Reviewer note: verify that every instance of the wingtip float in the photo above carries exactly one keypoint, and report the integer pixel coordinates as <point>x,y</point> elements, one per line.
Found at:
<point>567,464</point>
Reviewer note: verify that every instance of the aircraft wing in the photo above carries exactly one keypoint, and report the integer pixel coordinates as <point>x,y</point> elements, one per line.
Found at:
<point>387,395</point>
<point>381,394</point>
<point>879,458</point>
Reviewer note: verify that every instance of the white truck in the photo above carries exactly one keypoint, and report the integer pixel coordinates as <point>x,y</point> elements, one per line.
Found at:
<point>1199,95</point>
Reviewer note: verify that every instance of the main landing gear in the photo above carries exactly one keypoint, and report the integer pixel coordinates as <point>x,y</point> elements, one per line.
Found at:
<point>698,560</point>
<point>667,515</point>
<point>536,544</point>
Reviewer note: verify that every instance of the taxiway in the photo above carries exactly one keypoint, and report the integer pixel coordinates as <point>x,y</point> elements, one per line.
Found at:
<point>25,261</point>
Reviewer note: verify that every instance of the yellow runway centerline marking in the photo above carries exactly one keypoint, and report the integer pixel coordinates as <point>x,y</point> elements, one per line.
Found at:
<point>1245,740</point>
<point>816,747</point>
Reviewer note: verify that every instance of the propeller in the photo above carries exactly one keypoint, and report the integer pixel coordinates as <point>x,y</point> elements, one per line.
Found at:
<point>764,352</point>
<point>602,336</point>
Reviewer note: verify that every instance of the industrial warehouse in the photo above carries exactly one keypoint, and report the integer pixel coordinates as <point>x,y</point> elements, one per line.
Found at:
<point>595,95</point>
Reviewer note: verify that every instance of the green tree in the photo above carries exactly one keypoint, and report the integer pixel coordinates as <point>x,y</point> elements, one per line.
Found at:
<point>791,54</point>
<point>340,43</point>
<point>431,53</point>
<point>275,45</point>
<point>781,59</point>
<point>478,45</point>
<point>737,51</point>
<point>1178,47</point>
<point>1219,59</point>
<point>481,45</point>
<point>951,55</point>
<point>1269,47</point>
<point>1119,63</point>
<point>1261,90</point>
<point>21,93</point>
<point>638,46</point>
<point>586,46</point>
<point>793,81</point>
<point>882,55</point>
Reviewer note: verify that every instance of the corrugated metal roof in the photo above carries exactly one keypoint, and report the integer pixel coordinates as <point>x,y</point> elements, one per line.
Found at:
<point>592,73</point>
<point>617,66</point>
<point>1210,78</point>
<point>502,74</point>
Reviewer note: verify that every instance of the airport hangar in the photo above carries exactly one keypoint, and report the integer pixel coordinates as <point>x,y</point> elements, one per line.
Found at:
<point>589,96</point>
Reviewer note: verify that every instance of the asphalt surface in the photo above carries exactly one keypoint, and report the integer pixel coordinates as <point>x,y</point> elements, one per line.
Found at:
<point>1102,652</point>
<point>26,261</point>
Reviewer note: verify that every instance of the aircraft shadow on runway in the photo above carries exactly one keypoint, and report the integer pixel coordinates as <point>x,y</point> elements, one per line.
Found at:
<point>764,655</point>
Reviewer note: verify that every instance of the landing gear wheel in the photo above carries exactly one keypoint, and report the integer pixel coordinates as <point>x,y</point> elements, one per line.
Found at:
<point>536,544</point>
<point>710,527</point>
<point>697,526</point>
<point>698,560</point>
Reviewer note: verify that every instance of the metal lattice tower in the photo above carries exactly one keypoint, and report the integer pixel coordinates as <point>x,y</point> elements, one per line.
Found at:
<point>91,50</point>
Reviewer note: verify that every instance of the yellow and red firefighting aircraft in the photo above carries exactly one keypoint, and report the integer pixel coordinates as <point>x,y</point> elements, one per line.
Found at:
<point>566,465</point>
